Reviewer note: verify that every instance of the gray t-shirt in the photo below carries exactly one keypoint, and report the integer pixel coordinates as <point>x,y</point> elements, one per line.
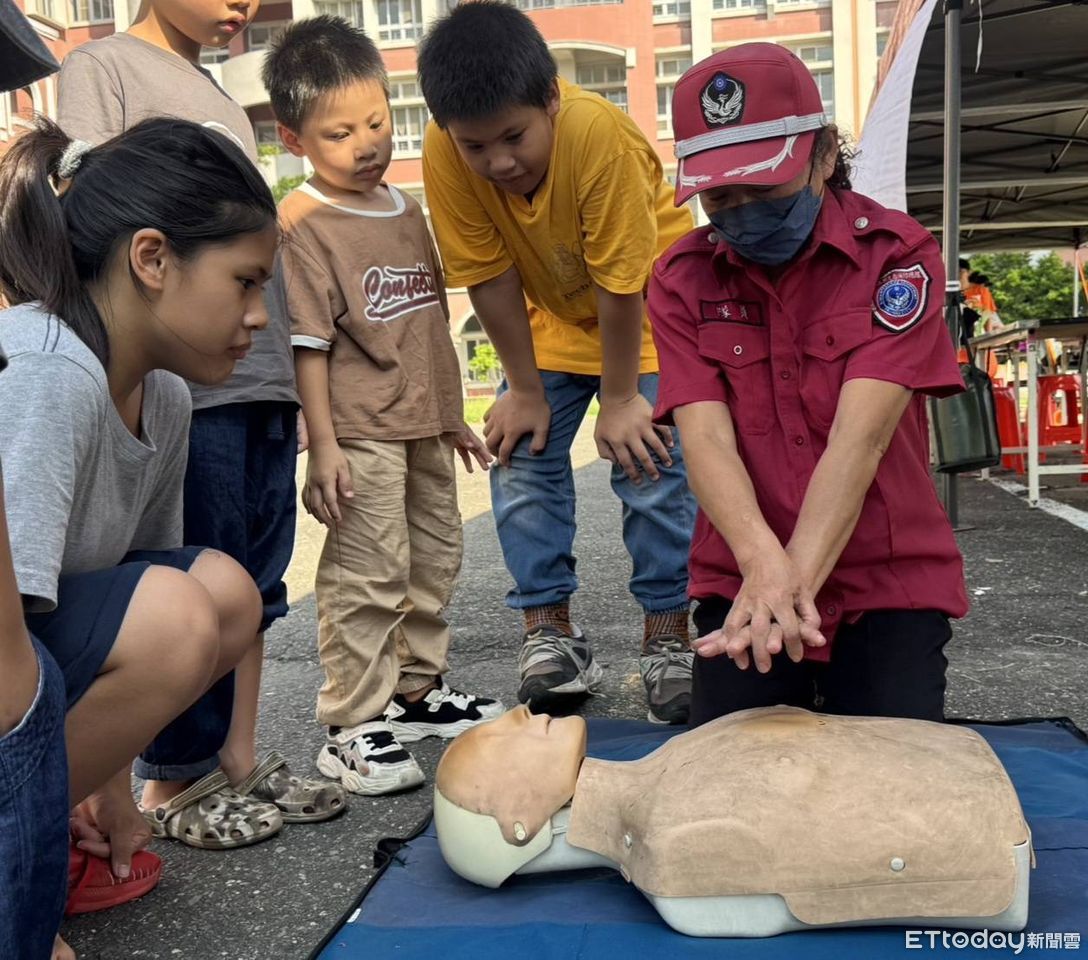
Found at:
<point>81,490</point>
<point>109,85</point>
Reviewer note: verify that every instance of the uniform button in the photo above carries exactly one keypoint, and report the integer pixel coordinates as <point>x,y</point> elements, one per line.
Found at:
<point>800,441</point>
<point>830,341</point>
<point>738,349</point>
<point>861,223</point>
<point>831,610</point>
<point>711,238</point>
<point>785,374</point>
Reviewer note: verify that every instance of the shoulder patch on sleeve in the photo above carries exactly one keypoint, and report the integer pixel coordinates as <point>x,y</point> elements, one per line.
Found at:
<point>901,298</point>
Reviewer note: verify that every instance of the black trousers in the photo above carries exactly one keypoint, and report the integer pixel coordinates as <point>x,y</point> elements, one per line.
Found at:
<point>890,663</point>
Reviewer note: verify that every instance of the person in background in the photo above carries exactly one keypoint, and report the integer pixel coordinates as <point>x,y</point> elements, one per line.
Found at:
<point>240,478</point>
<point>550,206</point>
<point>979,297</point>
<point>381,392</point>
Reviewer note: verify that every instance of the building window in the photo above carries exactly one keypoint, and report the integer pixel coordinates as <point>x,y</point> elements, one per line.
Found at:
<point>812,53</point>
<point>825,80</point>
<point>670,67</point>
<point>260,35</point>
<point>408,126</point>
<point>549,4</point>
<point>43,8</point>
<point>738,4</point>
<point>209,56</point>
<point>91,11</point>
<point>350,10</point>
<point>672,8</point>
<point>404,90</point>
<point>417,194</point>
<point>264,132</point>
<point>818,56</point>
<point>400,20</point>
<point>409,114</point>
<point>881,44</point>
<point>606,77</point>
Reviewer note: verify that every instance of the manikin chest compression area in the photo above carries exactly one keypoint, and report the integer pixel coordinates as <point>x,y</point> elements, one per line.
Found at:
<point>757,823</point>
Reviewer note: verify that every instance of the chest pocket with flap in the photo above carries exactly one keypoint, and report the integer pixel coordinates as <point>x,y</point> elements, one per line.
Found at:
<point>827,344</point>
<point>743,351</point>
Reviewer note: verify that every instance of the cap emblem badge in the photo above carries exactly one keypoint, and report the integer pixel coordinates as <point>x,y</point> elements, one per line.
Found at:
<point>722,100</point>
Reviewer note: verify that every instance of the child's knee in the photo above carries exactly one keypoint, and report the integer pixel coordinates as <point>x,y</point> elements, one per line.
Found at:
<point>236,598</point>
<point>180,629</point>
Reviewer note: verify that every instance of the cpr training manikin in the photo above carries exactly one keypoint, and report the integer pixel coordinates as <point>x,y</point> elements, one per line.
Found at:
<point>758,823</point>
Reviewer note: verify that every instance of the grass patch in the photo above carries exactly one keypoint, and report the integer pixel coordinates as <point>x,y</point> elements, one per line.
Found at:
<point>476,407</point>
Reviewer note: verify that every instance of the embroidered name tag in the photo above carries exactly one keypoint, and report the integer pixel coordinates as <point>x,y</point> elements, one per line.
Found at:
<point>901,298</point>
<point>732,311</point>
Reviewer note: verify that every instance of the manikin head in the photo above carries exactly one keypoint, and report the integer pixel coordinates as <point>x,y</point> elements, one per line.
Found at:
<point>497,788</point>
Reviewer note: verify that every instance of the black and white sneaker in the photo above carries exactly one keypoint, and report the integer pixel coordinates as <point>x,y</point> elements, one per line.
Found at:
<point>367,759</point>
<point>557,670</point>
<point>443,712</point>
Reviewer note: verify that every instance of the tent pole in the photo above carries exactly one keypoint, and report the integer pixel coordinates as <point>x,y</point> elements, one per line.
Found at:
<point>1076,272</point>
<point>953,15</point>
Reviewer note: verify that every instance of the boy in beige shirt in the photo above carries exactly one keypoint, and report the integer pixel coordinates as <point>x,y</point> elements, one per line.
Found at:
<point>381,391</point>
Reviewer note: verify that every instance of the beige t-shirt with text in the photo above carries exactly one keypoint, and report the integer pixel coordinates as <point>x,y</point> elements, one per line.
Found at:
<point>367,286</point>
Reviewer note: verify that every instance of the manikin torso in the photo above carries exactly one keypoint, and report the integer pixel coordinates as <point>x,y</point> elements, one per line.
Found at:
<point>778,819</point>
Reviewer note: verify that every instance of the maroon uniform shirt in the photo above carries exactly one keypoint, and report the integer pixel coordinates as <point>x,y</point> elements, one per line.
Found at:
<point>863,300</point>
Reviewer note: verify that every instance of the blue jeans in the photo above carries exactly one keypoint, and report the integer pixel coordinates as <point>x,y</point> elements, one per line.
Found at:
<point>240,499</point>
<point>533,502</point>
<point>34,821</point>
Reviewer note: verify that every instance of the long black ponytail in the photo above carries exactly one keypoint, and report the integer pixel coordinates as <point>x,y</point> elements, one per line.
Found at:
<point>192,183</point>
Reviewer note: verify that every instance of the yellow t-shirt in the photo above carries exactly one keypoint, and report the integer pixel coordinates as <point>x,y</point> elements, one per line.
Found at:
<point>602,214</point>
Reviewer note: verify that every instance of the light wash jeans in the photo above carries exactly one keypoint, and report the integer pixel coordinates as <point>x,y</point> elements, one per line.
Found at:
<point>533,502</point>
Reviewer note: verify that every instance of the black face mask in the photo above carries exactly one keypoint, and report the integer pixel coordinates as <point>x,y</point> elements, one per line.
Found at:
<point>770,232</point>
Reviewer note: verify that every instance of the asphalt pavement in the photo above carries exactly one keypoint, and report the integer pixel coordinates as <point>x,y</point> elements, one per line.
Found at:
<point>1022,651</point>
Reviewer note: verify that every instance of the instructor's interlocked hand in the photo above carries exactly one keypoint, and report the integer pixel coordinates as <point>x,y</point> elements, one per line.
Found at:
<point>773,608</point>
<point>511,416</point>
<point>627,436</point>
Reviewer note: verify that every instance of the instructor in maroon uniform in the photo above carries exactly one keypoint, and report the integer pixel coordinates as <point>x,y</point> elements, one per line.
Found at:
<point>798,336</point>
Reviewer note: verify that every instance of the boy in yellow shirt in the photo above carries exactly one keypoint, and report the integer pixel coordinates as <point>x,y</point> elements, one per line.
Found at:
<point>550,206</point>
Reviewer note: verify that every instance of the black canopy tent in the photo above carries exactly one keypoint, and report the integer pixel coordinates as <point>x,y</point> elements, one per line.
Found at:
<point>979,129</point>
<point>1022,120</point>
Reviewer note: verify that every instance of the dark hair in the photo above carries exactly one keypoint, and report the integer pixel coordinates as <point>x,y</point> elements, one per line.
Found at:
<point>192,183</point>
<point>828,139</point>
<point>482,58</point>
<point>313,57</point>
<point>980,279</point>
<point>965,264</point>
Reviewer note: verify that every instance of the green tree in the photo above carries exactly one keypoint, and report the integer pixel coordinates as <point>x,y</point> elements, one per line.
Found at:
<point>1028,286</point>
<point>485,362</point>
<point>286,185</point>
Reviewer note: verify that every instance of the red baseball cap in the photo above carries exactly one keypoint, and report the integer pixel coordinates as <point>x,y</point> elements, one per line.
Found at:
<point>748,114</point>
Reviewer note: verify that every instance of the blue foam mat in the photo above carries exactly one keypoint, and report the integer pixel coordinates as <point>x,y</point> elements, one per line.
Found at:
<point>419,910</point>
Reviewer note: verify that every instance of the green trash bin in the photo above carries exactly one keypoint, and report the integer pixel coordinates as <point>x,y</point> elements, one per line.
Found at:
<point>965,426</point>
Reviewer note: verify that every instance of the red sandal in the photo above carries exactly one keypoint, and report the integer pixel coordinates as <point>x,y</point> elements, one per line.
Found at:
<point>92,885</point>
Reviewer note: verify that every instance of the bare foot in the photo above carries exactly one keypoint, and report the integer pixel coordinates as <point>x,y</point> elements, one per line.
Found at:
<point>61,950</point>
<point>158,792</point>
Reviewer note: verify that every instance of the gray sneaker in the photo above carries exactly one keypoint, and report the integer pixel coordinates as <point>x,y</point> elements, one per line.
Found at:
<point>557,671</point>
<point>665,665</point>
